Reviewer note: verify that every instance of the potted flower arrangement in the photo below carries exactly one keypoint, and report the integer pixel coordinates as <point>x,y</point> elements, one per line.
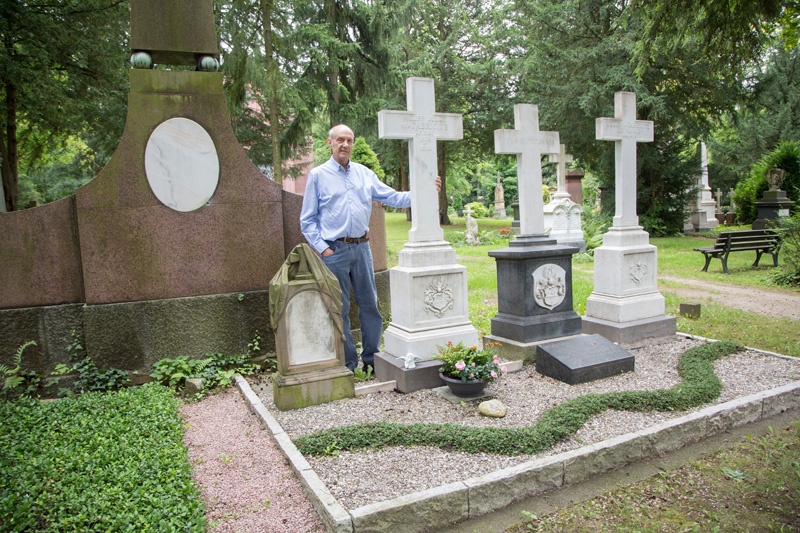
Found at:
<point>467,369</point>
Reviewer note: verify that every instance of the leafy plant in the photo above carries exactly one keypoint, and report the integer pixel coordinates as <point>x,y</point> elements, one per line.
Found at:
<point>360,375</point>
<point>90,378</point>
<point>14,377</point>
<point>216,369</point>
<point>469,363</point>
<point>68,463</point>
<point>789,271</point>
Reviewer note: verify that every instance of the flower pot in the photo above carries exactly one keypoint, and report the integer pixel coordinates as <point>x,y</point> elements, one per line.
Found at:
<point>468,389</point>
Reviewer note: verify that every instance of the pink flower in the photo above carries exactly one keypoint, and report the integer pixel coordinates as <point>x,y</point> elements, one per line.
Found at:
<point>494,374</point>
<point>503,369</point>
<point>473,364</point>
<point>449,343</point>
<point>461,365</point>
<point>472,376</point>
<point>495,360</point>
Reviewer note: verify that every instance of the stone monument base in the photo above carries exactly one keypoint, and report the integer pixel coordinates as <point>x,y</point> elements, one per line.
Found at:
<point>425,375</point>
<point>315,387</point>
<point>511,350</point>
<point>633,334</point>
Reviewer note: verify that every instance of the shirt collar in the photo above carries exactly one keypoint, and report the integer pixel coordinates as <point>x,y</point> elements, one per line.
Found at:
<point>338,167</point>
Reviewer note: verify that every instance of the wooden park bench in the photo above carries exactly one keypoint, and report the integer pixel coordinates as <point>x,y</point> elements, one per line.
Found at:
<point>762,241</point>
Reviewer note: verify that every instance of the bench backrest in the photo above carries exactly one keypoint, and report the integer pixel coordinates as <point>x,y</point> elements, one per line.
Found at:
<point>751,239</point>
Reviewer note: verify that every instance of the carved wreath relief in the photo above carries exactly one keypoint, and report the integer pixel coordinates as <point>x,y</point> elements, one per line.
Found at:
<point>549,285</point>
<point>438,297</point>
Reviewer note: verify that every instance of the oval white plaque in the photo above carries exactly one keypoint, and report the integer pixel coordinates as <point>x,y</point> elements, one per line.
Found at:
<point>181,164</point>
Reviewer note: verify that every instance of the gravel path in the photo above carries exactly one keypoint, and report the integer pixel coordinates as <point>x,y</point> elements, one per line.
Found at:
<point>783,303</point>
<point>246,484</point>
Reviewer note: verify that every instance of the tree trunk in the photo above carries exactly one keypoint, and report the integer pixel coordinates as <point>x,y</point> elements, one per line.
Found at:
<point>272,92</point>
<point>333,65</point>
<point>8,150</point>
<point>441,167</point>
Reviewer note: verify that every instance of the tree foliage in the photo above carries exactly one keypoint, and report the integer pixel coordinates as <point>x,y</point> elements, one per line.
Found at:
<point>61,72</point>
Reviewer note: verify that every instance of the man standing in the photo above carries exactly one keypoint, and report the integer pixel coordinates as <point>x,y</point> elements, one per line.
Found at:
<point>334,220</point>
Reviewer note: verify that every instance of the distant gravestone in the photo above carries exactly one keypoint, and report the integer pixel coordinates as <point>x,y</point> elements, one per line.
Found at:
<point>582,359</point>
<point>472,227</point>
<point>499,199</point>
<point>562,216</point>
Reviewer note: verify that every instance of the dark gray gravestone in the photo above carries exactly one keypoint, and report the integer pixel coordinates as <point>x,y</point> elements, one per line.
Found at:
<point>581,359</point>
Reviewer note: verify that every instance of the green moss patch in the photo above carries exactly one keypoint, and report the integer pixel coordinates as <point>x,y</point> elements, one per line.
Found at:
<point>699,385</point>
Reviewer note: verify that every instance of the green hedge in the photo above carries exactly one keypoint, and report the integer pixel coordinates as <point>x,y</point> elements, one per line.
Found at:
<point>97,462</point>
<point>751,190</point>
<point>700,385</point>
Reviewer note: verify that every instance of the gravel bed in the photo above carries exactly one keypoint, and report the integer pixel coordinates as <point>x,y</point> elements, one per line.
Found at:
<point>369,476</point>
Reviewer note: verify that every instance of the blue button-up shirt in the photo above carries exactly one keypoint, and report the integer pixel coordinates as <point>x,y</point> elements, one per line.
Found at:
<point>338,202</point>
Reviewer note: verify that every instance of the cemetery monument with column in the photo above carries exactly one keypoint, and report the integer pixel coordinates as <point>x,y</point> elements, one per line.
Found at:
<point>626,306</point>
<point>703,209</point>
<point>428,288</point>
<point>562,216</point>
<point>534,273</point>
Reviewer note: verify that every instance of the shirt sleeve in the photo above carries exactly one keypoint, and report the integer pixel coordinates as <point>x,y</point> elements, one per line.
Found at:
<point>386,195</point>
<point>309,215</point>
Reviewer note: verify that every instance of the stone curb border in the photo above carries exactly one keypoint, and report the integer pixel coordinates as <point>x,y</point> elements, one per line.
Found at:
<point>455,502</point>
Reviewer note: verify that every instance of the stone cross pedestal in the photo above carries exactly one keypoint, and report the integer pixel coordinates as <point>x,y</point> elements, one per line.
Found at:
<point>626,306</point>
<point>562,216</point>
<point>428,288</point>
<point>534,274</point>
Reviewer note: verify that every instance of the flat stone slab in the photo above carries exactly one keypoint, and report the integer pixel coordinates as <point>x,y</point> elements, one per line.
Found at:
<point>448,395</point>
<point>581,359</point>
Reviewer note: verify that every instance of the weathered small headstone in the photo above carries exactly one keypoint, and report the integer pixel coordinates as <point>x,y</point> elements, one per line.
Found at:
<point>305,312</point>
<point>582,359</point>
<point>690,310</point>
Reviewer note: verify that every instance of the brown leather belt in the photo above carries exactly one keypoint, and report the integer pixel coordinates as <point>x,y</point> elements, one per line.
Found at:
<point>354,240</point>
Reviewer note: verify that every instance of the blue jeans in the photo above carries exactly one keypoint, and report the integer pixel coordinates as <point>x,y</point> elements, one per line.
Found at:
<point>352,266</point>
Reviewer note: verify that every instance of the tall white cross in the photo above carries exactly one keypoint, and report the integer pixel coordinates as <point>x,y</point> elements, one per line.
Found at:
<point>422,126</point>
<point>562,158</point>
<point>625,131</point>
<point>528,143</point>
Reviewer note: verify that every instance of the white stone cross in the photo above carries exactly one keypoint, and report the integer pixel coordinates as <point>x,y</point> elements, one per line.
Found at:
<point>422,126</point>
<point>528,143</point>
<point>625,131</point>
<point>719,198</point>
<point>562,158</point>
